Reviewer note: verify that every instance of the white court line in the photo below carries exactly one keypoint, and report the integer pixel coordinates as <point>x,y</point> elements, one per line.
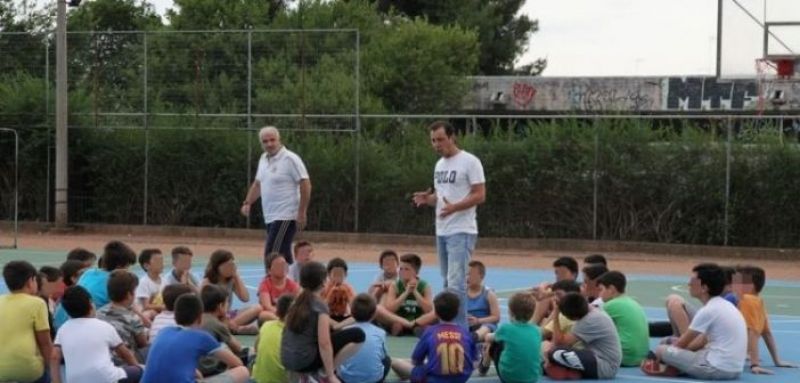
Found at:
<point>657,379</point>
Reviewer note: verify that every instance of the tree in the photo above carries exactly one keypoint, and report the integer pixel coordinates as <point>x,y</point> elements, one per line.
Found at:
<point>407,66</point>
<point>104,62</point>
<point>114,15</point>
<point>502,32</point>
<point>224,14</point>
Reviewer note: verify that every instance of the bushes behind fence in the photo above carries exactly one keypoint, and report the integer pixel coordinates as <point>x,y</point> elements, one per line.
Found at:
<point>662,184</point>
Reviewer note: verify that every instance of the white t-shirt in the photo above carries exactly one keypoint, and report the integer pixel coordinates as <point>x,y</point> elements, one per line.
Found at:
<point>163,320</point>
<point>86,344</point>
<point>724,326</point>
<point>453,179</point>
<point>294,272</point>
<point>279,177</point>
<point>147,289</point>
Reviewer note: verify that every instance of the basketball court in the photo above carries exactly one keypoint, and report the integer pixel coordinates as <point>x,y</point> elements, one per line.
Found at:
<point>649,288</point>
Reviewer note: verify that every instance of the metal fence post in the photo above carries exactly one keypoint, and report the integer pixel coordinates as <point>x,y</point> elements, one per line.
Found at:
<point>146,133</point>
<point>249,115</point>
<point>49,126</point>
<point>595,176</point>
<point>357,133</point>
<point>728,159</point>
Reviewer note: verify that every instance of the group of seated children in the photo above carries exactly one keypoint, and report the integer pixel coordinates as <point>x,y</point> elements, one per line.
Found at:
<point>715,341</point>
<point>105,324</point>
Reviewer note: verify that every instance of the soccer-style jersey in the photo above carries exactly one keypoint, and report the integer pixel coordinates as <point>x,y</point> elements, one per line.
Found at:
<point>444,353</point>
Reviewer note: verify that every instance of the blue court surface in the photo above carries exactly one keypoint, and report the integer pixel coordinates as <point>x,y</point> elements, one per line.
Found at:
<point>782,299</point>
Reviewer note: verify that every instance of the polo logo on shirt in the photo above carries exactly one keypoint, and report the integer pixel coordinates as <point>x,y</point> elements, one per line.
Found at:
<point>445,176</point>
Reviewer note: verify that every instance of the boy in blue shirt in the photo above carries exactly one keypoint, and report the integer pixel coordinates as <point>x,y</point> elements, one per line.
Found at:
<point>371,363</point>
<point>446,352</point>
<point>174,354</point>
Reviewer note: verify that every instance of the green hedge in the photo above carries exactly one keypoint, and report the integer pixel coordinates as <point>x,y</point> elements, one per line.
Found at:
<point>660,184</point>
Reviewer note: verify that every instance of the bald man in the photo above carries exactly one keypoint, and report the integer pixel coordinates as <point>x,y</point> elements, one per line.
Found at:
<point>283,185</point>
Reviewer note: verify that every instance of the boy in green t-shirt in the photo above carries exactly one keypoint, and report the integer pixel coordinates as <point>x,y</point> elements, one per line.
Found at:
<point>628,316</point>
<point>407,299</point>
<point>515,346</point>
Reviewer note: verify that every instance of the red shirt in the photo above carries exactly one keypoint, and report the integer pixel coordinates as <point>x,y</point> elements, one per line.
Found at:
<point>266,287</point>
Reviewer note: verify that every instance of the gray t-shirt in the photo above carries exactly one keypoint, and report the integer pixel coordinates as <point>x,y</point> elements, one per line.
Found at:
<point>299,350</point>
<point>171,279</point>
<point>596,330</point>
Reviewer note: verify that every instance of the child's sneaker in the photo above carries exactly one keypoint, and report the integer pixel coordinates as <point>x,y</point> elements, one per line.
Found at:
<point>654,367</point>
<point>485,362</point>
<point>557,372</point>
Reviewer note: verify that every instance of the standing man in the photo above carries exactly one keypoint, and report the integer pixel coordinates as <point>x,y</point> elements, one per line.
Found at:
<point>284,187</point>
<point>460,187</point>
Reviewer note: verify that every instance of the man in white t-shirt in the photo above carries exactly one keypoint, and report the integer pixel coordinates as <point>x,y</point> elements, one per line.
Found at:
<point>283,185</point>
<point>722,357</point>
<point>460,187</point>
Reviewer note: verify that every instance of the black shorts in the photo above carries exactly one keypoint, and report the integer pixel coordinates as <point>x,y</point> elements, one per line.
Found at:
<point>339,339</point>
<point>583,361</point>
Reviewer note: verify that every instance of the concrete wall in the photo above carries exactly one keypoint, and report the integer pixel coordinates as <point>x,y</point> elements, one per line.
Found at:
<point>628,94</point>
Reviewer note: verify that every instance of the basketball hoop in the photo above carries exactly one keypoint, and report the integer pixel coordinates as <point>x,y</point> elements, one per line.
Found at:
<point>763,67</point>
<point>785,67</point>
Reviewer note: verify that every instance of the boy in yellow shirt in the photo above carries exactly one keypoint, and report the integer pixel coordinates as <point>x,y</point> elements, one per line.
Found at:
<point>25,333</point>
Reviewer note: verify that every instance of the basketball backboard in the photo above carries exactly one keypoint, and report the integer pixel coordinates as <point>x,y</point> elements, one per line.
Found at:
<point>750,30</point>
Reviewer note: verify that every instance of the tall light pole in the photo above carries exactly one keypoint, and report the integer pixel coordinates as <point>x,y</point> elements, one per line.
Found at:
<point>61,111</point>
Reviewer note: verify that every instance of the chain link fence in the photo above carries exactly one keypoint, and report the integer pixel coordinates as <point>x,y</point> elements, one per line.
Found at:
<point>162,131</point>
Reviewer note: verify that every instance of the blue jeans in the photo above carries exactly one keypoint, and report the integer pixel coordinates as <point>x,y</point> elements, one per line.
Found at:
<point>455,251</point>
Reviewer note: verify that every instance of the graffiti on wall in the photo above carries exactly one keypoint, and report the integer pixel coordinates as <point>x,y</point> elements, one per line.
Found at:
<point>586,96</point>
<point>707,93</point>
<point>630,94</point>
<point>523,94</point>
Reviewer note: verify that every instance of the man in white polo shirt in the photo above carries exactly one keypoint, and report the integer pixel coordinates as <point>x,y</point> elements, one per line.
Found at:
<point>460,187</point>
<point>283,185</point>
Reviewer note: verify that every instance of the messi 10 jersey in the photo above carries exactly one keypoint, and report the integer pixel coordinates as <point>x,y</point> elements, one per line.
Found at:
<point>444,353</point>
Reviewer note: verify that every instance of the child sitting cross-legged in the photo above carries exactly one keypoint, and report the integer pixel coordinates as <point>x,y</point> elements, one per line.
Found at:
<point>166,318</point>
<point>628,316</point>
<point>148,293</point>
<point>268,367</point>
<point>514,347</point>
<point>175,353</point>
<point>406,300</point>
<point>371,363</point>
<point>121,287</point>
<point>483,309</point>
<point>215,309</point>
<point>307,345</point>
<point>601,355</point>
<point>85,344</point>
<point>749,281</point>
<point>24,329</point>
<point>275,284</point>
<point>337,292</point>
<point>446,351</point>
<point>222,272</point>
<point>388,261</point>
